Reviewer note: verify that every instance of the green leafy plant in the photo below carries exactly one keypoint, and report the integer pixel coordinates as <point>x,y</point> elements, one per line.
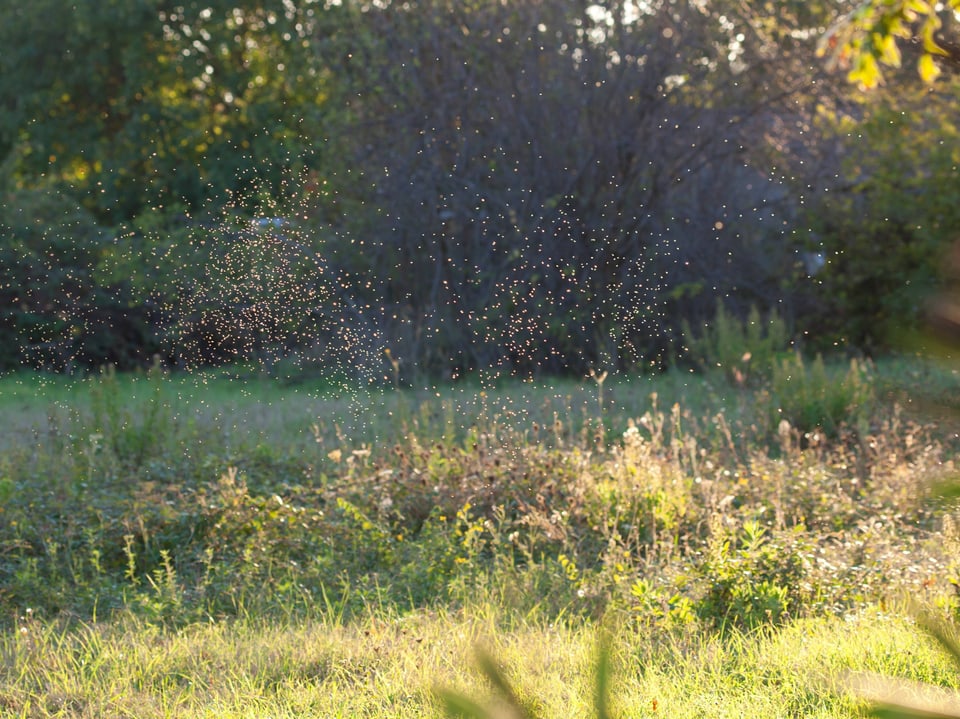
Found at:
<point>652,605</point>
<point>748,578</point>
<point>132,436</point>
<point>810,397</point>
<point>741,349</point>
<point>884,241</point>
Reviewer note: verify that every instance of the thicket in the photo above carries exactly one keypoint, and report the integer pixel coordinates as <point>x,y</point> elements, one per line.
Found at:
<point>535,189</point>
<point>887,234</point>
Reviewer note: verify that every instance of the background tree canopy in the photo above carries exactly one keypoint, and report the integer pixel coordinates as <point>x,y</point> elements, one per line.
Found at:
<point>137,105</point>
<point>531,187</point>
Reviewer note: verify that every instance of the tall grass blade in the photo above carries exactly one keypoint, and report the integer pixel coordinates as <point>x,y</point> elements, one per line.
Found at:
<point>457,705</point>
<point>900,711</point>
<point>939,632</point>
<point>901,699</point>
<point>488,665</point>
<point>603,680</point>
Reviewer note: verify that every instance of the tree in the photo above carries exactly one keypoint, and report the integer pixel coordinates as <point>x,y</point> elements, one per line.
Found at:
<point>869,36</point>
<point>885,227</point>
<point>554,183</point>
<point>137,105</point>
<point>538,187</point>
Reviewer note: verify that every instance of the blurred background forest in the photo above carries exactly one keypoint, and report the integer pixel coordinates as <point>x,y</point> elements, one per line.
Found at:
<point>538,187</point>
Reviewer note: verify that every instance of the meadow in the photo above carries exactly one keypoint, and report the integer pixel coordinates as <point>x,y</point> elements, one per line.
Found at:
<point>719,543</point>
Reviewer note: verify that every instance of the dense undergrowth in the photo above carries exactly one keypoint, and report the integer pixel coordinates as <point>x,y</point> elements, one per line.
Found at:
<point>176,545</point>
<point>742,512</point>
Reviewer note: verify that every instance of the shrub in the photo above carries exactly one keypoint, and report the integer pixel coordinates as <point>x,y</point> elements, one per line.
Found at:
<point>644,496</point>
<point>741,349</point>
<point>130,435</point>
<point>54,313</point>
<point>884,237</point>
<point>810,397</point>
<point>751,580</point>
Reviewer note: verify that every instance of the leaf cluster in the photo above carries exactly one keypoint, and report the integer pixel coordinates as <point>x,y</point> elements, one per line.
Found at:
<point>868,37</point>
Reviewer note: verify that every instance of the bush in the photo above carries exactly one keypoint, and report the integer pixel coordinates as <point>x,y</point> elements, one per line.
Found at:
<point>751,580</point>
<point>743,350</point>
<point>55,313</point>
<point>884,237</point>
<point>809,397</point>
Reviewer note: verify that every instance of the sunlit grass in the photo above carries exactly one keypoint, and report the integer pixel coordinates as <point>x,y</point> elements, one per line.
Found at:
<point>200,545</point>
<point>253,407</point>
<point>388,665</point>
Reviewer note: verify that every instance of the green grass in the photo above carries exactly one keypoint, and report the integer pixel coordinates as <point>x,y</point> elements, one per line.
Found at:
<point>389,665</point>
<point>212,545</point>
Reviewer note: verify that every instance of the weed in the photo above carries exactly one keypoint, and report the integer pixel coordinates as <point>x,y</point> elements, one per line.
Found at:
<point>744,350</point>
<point>750,580</point>
<point>132,435</point>
<point>599,379</point>
<point>813,399</point>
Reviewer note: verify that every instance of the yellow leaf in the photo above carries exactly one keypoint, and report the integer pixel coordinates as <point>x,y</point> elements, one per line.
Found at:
<point>928,68</point>
<point>929,42</point>
<point>897,28</point>
<point>912,8</point>
<point>866,73</point>
<point>889,52</point>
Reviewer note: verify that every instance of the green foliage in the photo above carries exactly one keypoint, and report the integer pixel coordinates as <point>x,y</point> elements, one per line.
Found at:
<point>867,37</point>
<point>645,497</point>
<point>680,538</point>
<point>886,239</point>
<point>138,106</point>
<point>53,312</point>
<point>808,397</point>
<point>131,435</point>
<point>194,292</point>
<point>119,506</point>
<point>742,349</point>
<point>154,119</point>
<point>751,580</point>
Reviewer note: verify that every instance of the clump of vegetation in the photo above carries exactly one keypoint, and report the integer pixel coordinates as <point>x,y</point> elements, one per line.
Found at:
<point>809,397</point>
<point>137,505</point>
<point>744,350</point>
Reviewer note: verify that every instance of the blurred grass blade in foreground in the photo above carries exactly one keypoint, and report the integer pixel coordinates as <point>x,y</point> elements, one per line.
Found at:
<point>508,704</point>
<point>901,699</point>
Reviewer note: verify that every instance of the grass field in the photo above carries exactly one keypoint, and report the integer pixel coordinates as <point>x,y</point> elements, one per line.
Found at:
<point>387,665</point>
<point>214,545</point>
